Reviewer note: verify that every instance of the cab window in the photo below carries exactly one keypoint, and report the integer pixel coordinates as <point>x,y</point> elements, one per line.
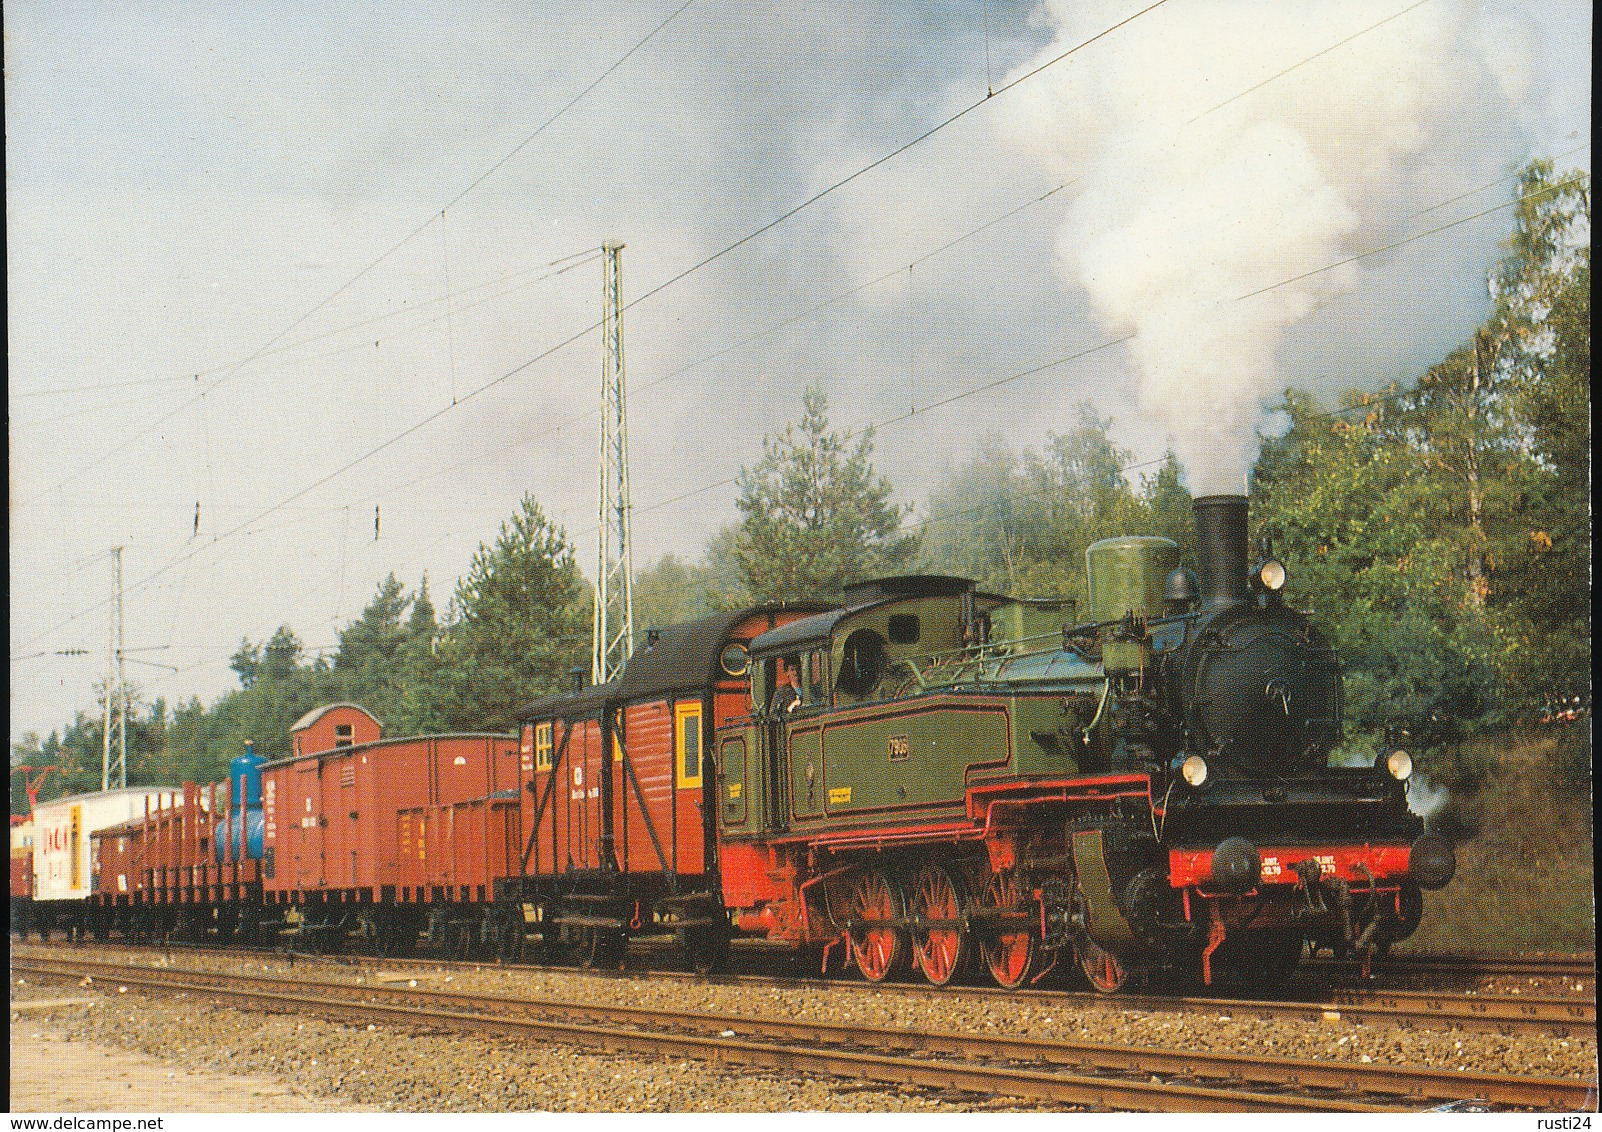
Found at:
<point>817,677</point>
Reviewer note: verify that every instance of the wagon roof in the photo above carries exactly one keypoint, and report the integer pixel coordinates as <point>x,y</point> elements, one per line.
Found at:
<point>132,791</point>
<point>586,704</point>
<point>317,713</point>
<point>682,658</point>
<point>677,658</point>
<point>805,631</point>
<point>863,595</point>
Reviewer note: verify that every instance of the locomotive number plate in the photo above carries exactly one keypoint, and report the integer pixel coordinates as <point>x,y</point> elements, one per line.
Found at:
<point>900,748</point>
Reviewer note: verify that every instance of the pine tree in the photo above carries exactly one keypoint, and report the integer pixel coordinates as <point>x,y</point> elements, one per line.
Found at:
<point>815,516</point>
<point>519,623</point>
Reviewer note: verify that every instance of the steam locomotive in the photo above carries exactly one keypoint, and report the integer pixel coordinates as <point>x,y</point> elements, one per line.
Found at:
<point>930,775</point>
<point>923,776</point>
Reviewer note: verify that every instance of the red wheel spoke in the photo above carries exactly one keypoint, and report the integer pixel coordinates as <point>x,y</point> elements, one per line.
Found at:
<point>1010,954</point>
<point>878,950</point>
<point>937,950</point>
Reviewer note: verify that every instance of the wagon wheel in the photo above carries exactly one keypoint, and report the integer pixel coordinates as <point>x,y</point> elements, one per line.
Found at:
<point>227,923</point>
<point>879,947</point>
<point>371,934</point>
<point>1257,960</point>
<point>248,930</point>
<point>1106,972</point>
<point>461,939</point>
<point>403,936</point>
<point>511,941</point>
<point>706,947</point>
<point>1009,950</point>
<point>939,951</point>
<point>598,948</point>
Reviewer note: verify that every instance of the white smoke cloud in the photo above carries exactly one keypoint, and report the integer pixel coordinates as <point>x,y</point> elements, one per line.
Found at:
<point>1194,198</point>
<point>1424,798</point>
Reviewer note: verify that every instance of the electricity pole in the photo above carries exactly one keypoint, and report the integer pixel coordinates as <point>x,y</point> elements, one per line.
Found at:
<point>119,673</point>
<point>613,635</point>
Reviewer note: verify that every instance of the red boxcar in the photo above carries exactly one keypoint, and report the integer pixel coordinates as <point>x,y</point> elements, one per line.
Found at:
<point>618,805</point>
<point>383,837</point>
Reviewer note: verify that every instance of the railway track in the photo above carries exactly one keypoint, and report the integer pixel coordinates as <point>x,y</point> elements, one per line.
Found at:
<point>1485,1013</point>
<point>1076,1073</point>
<point>1471,966</point>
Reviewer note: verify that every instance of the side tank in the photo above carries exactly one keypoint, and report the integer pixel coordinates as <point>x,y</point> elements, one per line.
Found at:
<point>244,784</point>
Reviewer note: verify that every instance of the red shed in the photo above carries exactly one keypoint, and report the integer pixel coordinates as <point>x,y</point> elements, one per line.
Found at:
<point>334,726</point>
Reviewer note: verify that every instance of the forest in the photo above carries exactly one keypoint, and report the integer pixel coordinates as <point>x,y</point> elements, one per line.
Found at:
<point>1440,529</point>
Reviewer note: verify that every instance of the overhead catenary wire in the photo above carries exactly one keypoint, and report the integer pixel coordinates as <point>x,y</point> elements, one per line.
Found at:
<point>897,152</point>
<point>1316,55</point>
<point>1376,251</point>
<point>1106,344</point>
<point>550,271</point>
<point>685,273</point>
<point>725,481</point>
<point>373,264</point>
<point>639,388</point>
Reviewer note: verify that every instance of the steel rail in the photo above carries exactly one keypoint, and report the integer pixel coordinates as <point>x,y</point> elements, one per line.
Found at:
<point>1500,1014</point>
<point>1412,1085</point>
<point>1555,966</point>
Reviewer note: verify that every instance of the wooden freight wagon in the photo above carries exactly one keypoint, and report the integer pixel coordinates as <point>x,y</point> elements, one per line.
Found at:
<point>348,821</point>
<point>446,847</point>
<point>162,874</point>
<point>618,803</point>
<point>21,891</point>
<point>63,863</point>
<point>123,879</point>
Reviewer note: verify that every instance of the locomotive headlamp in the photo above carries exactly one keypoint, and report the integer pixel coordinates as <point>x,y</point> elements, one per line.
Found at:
<point>1272,575</point>
<point>1400,765</point>
<point>1194,770</point>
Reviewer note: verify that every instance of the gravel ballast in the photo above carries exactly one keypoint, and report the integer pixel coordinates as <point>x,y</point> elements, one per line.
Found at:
<point>379,1067</point>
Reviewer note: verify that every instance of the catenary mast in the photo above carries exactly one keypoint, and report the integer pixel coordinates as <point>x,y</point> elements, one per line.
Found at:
<point>115,771</point>
<point>613,635</point>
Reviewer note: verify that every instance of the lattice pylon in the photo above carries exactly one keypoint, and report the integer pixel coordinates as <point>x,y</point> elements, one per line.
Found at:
<point>613,633</point>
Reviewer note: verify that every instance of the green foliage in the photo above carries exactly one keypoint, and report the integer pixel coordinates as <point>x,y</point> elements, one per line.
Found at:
<point>385,660</point>
<point>1520,806</point>
<point>671,591</point>
<point>1021,525</point>
<point>815,517</point>
<point>1442,528</point>
<point>984,521</point>
<point>519,622</point>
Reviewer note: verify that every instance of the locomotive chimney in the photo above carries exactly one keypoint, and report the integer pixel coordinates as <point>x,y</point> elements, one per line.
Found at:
<point>1221,547</point>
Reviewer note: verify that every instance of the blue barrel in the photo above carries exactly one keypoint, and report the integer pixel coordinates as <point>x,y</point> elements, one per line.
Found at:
<point>244,778</point>
<point>244,786</point>
<point>253,823</point>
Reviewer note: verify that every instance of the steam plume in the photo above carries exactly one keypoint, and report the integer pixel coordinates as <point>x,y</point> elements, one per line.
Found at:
<point>1424,798</point>
<point>1194,198</point>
